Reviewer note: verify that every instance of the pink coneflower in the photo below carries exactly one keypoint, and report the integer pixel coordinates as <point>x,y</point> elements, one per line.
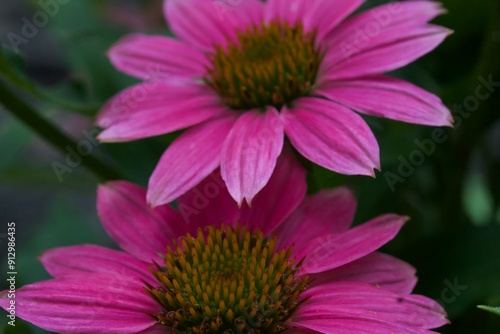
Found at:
<point>294,265</point>
<point>243,74</point>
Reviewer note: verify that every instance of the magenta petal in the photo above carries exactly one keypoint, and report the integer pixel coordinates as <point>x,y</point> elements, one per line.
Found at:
<point>388,97</point>
<point>345,324</point>
<point>189,159</point>
<point>250,153</point>
<point>332,136</point>
<point>85,259</point>
<point>155,108</point>
<point>391,49</point>
<point>208,204</point>
<point>153,58</point>
<point>334,250</point>
<point>87,304</point>
<point>330,211</point>
<point>137,228</point>
<point>279,198</point>
<point>351,300</point>
<point>405,14</point>
<point>382,39</point>
<point>206,24</point>
<point>318,15</point>
<point>377,269</point>
<point>290,11</point>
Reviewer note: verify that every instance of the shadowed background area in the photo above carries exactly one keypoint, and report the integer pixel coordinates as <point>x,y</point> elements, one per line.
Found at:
<point>447,181</point>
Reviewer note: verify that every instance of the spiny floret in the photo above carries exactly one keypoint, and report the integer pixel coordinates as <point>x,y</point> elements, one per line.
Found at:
<point>227,281</point>
<point>271,65</point>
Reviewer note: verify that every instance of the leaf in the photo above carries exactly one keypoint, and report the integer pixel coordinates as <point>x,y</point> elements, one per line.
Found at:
<point>492,309</point>
<point>477,199</point>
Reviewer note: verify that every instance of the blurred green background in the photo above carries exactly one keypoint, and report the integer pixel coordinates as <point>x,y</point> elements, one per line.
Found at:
<point>451,191</point>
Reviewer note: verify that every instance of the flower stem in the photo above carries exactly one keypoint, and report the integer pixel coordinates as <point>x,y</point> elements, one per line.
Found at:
<point>52,134</point>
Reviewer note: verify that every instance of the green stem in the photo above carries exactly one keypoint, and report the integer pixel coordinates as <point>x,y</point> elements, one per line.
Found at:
<point>29,116</point>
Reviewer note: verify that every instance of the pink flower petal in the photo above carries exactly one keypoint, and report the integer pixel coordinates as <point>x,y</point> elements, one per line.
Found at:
<point>290,11</point>
<point>279,198</point>
<point>334,250</point>
<point>318,15</point>
<point>216,21</point>
<point>381,30</point>
<point>208,204</point>
<point>378,269</point>
<point>332,136</point>
<point>155,108</point>
<point>403,14</point>
<point>85,259</point>
<point>137,228</point>
<point>345,324</point>
<point>97,304</point>
<point>154,58</point>
<point>388,97</point>
<point>189,159</point>
<point>389,50</point>
<point>330,211</point>
<point>352,300</point>
<point>250,153</point>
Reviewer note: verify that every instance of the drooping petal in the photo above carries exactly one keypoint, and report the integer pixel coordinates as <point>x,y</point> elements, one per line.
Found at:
<point>88,304</point>
<point>85,259</point>
<point>208,204</point>
<point>318,15</point>
<point>388,97</point>
<point>390,49</point>
<point>377,269</point>
<point>334,250</point>
<point>330,211</point>
<point>361,302</point>
<point>153,58</point>
<point>250,153</point>
<point>206,24</point>
<point>332,136</point>
<point>279,198</point>
<point>189,159</point>
<point>136,227</point>
<point>154,108</point>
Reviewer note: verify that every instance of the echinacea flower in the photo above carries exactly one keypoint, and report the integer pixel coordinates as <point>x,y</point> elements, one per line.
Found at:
<point>294,265</point>
<point>243,74</point>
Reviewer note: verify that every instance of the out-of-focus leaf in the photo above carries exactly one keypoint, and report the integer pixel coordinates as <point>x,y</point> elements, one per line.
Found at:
<point>477,199</point>
<point>495,310</point>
